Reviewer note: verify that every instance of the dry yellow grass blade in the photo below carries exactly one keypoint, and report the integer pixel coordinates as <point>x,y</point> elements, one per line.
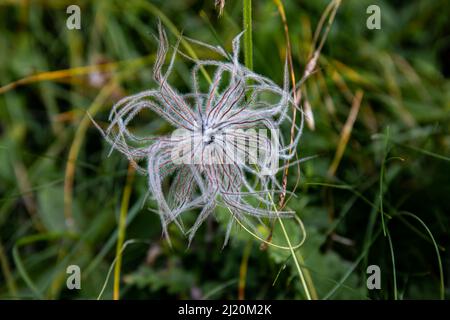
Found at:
<point>280,8</point>
<point>346,132</point>
<point>390,76</point>
<point>330,14</point>
<point>410,75</point>
<point>340,72</point>
<point>50,4</point>
<point>243,270</point>
<point>59,74</point>
<point>340,83</point>
<point>352,75</point>
<point>7,274</point>
<point>329,104</point>
<point>304,274</point>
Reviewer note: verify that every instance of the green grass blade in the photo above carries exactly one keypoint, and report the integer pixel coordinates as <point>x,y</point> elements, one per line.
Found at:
<point>248,37</point>
<point>436,247</point>
<point>394,273</point>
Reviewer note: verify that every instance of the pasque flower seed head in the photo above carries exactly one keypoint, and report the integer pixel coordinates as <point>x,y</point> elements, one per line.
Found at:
<point>224,156</point>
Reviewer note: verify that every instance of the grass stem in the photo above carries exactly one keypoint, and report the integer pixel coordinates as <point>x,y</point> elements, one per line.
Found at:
<point>248,39</point>
<point>243,270</point>
<point>6,270</point>
<point>122,229</point>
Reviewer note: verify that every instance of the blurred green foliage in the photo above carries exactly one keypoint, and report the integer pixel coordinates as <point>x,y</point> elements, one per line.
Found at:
<point>403,126</point>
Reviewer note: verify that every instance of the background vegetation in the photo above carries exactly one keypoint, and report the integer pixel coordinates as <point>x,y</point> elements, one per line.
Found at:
<point>61,196</point>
